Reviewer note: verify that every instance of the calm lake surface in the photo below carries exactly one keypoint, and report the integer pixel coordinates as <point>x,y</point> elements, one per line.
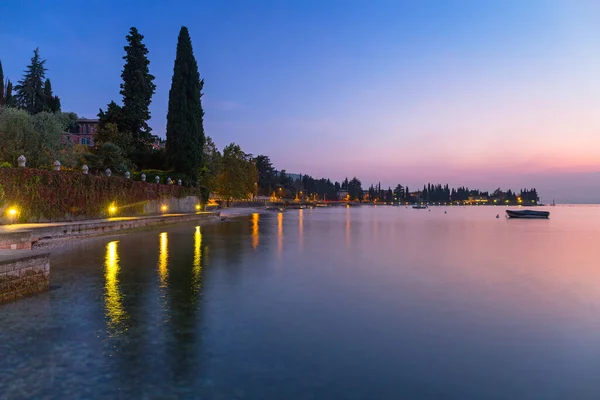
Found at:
<point>341,303</point>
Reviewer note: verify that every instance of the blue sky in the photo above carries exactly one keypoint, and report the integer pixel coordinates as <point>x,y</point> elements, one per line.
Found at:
<point>482,93</point>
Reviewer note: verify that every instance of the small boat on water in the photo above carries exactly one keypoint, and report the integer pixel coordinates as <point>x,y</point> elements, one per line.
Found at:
<point>419,206</point>
<point>531,214</point>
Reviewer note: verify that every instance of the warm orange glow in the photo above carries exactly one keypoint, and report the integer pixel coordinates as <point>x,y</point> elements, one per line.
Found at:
<point>12,211</point>
<point>198,207</point>
<point>163,259</point>
<point>279,233</point>
<point>255,237</point>
<point>197,258</point>
<point>164,208</point>
<point>112,209</point>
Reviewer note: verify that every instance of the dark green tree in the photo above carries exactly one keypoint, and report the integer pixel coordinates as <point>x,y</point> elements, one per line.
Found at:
<point>2,89</point>
<point>238,174</point>
<point>52,101</point>
<point>112,129</point>
<point>355,189</point>
<point>30,90</point>
<point>267,176</point>
<point>137,90</point>
<point>9,100</point>
<point>185,131</point>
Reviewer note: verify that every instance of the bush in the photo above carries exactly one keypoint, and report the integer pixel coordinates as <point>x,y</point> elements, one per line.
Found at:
<point>5,164</point>
<point>56,195</point>
<point>163,175</point>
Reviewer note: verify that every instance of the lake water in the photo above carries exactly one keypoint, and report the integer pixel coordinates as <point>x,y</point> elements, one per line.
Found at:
<point>340,303</point>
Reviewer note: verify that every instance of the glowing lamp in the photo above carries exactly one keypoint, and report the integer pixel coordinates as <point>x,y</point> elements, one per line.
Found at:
<point>164,208</point>
<point>112,209</point>
<point>198,207</point>
<point>12,212</point>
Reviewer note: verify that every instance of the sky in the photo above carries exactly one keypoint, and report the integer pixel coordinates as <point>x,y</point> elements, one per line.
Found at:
<point>486,94</point>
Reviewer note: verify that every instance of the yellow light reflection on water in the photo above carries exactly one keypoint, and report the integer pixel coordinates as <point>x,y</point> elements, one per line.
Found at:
<point>163,259</point>
<point>255,236</point>
<point>197,257</point>
<point>113,298</point>
<point>301,227</point>
<point>279,233</point>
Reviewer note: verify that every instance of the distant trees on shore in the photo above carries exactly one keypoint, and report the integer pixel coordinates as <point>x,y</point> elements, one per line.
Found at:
<point>31,123</point>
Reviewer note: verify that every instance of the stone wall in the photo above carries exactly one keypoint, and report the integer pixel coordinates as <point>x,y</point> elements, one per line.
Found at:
<point>23,273</point>
<point>174,205</point>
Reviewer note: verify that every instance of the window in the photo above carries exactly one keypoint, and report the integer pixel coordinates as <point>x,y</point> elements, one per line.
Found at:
<point>86,141</point>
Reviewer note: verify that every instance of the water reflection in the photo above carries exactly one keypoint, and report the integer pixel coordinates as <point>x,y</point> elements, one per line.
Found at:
<point>163,259</point>
<point>348,227</point>
<point>255,238</point>
<point>300,228</point>
<point>197,267</point>
<point>279,233</point>
<point>113,298</point>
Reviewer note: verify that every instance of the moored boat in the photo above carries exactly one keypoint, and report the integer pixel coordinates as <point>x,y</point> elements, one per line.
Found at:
<point>532,214</point>
<point>419,206</point>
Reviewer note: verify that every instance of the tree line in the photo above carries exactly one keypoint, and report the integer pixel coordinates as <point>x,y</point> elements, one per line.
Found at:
<point>31,123</point>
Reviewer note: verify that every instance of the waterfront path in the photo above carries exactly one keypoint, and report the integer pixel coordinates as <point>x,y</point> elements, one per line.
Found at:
<point>50,231</point>
<point>45,225</point>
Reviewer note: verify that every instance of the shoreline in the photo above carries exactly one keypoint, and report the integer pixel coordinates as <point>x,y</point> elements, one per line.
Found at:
<point>220,216</point>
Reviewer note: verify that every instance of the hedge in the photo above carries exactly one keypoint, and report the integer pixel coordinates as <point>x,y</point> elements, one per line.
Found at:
<point>57,195</point>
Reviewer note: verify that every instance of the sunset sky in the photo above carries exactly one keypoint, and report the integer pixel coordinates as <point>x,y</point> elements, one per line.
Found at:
<point>478,93</point>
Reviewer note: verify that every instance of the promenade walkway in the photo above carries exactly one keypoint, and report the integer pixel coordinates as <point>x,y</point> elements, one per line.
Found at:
<point>44,225</point>
<point>23,235</point>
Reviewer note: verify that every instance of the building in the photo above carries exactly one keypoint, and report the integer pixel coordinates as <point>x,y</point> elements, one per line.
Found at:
<point>81,133</point>
<point>157,143</point>
<point>342,195</point>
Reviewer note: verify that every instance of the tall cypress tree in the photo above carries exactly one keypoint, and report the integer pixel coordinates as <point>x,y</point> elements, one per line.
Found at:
<point>9,100</point>
<point>52,101</point>
<point>137,88</point>
<point>185,131</point>
<point>30,90</point>
<point>1,86</point>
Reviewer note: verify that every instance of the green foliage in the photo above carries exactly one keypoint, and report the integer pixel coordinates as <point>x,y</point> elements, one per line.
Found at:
<point>2,89</point>
<point>15,127</point>
<point>9,99</point>
<point>213,163</point>
<point>108,132</point>
<point>267,175</point>
<point>137,89</point>
<point>30,90</point>
<point>55,195</point>
<point>127,126</point>
<point>163,175</point>
<point>5,164</point>
<point>68,120</point>
<point>355,189</point>
<point>238,176</point>
<point>43,143</point>
<point>185,131</point>
<point>52,101</point>
<point>109,155</point>
<point>72,154</point>
<point>37,137</point>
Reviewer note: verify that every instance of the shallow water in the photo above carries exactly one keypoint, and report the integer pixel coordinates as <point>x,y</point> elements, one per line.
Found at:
<point>342,303</point>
